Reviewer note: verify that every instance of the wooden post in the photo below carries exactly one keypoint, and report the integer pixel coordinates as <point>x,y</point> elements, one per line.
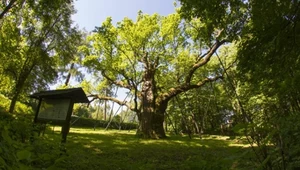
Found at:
<point>37,111</point>
<point>66,126</point>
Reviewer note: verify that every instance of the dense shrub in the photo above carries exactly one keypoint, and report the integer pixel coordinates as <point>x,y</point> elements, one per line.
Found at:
<point>276,141</point>
<point>14,134</point>
<point>19,146</point>
<point>85,122</point>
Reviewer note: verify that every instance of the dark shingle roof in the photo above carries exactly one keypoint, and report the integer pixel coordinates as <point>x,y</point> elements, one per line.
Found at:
<point>76,94</point>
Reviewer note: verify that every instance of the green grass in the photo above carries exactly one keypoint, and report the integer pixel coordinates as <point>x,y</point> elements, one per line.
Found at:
<point>99,149</point>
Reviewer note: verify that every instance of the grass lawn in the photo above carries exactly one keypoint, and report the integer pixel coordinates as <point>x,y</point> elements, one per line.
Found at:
<point>88,149</point>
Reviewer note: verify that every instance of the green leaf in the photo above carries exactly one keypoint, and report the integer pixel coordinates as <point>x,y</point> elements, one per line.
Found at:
<point>24,167</point>
<point>5,136</point>
<point>23,155</point>
<point>46,156</point>
<point>54,168</point>
<point>61,159</point>
<point>2,162</point>
<point>266,160</point>
<point>239,128</point>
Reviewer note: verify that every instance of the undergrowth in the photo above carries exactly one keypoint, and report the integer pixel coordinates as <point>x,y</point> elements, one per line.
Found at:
<point>22,148</point>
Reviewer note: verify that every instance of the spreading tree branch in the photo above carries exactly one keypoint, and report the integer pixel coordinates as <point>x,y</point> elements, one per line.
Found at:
<point>172,92</point>
<point>122,103</point>
<point>95,96</point>
<point>118,83</point>
<point>205,60</point>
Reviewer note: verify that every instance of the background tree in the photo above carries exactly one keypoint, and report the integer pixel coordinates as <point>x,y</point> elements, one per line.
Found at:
<point>35,40</point>
<point>268,67</point>
<point>266,81</point>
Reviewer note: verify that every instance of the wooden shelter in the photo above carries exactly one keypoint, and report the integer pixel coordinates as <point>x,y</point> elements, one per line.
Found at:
<point>56,106</point>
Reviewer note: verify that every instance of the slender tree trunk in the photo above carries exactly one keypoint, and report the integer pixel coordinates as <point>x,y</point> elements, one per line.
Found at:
<point>7,8</point>
<point>20,82</point>
<point>13,102</point>
<point>166,124</point>
<point>19,86</point>
<point>176,127</point>
<point>172,124</point>
<point>105,108</point>
<point>69,75</point>
<point>198,131</point>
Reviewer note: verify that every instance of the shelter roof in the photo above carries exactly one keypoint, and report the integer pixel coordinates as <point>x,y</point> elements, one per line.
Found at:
<point>76,94</point>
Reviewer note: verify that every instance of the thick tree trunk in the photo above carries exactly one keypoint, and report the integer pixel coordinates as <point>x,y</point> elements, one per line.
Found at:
<point>158,125</point>
<point>145,126</point>
<point>151,123</point>
<point>146,116</point>
<point>159,118</point>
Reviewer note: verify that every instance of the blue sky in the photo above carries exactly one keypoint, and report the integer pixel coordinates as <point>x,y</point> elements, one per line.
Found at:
<point>91,13</point>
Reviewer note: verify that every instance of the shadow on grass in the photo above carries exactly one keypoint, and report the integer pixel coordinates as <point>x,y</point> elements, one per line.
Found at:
<point>89,149</point>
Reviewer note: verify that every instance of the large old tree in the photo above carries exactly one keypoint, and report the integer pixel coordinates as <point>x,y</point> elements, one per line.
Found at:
<point>156,58</point>
<point>36,38</point>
